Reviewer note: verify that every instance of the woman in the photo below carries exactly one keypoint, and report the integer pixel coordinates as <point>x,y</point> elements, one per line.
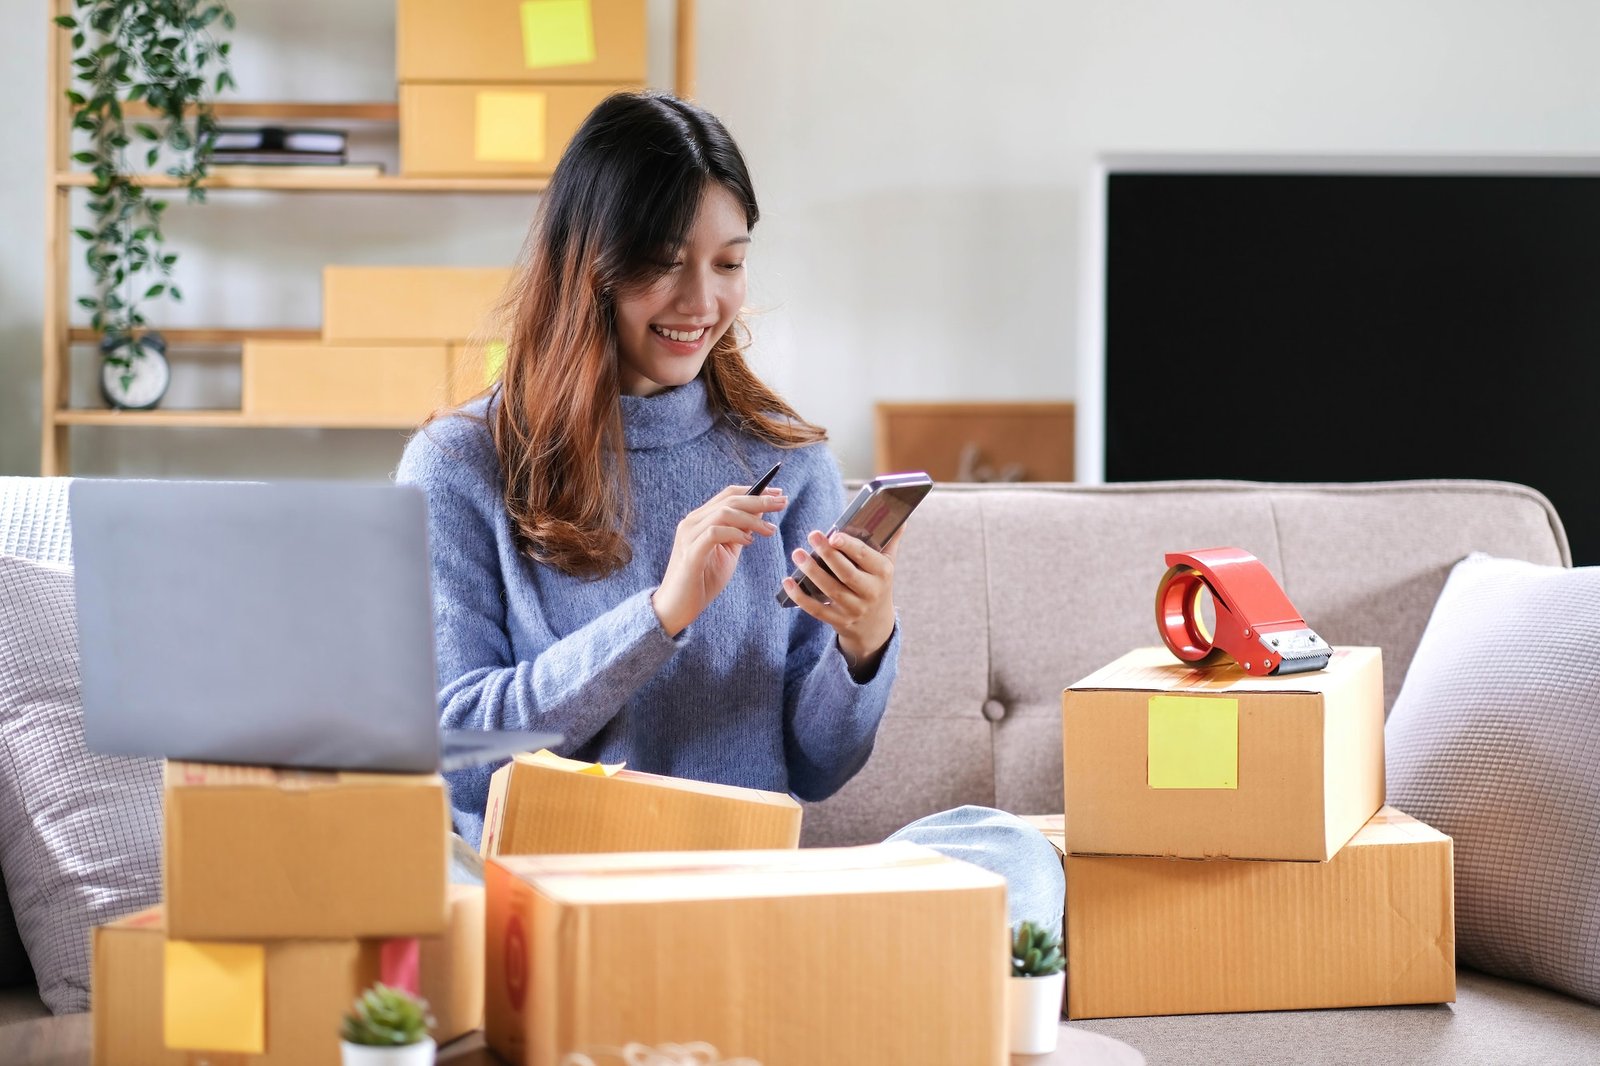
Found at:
<point>599,568</point>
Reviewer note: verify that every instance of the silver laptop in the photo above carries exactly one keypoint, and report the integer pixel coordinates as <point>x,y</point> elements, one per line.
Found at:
<point>280,624</point>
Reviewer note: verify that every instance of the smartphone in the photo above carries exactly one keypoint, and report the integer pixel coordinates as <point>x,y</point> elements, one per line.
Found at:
<point>875,515</point>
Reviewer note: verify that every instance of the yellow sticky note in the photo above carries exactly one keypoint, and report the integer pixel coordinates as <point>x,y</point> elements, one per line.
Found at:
<point>494,361</point>
<point>1193,742</point>
<point>546,757</point>
<point>214,997</point>
<point>510,127</point>
<point>557,33</point>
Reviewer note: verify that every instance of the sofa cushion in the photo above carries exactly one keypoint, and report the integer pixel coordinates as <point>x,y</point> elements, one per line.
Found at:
<point>80,834</point>
<point>1495,740</point>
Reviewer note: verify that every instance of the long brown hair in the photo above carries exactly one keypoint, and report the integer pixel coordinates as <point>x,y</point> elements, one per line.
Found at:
<point>626,189</point>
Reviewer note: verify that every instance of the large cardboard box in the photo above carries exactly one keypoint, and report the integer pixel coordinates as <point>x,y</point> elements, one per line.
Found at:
<point>306,988</point>
<point>296,379</point>
<point>450,967</point>
<point>372,305</point>
<point>521,40</point>
<point>307,985</point>
<point>543,805</point>
<point>1165,759</point>
<point>253,853</point>
<point>1373,926</point>
<point>890,954</point>
<point>487,129</point>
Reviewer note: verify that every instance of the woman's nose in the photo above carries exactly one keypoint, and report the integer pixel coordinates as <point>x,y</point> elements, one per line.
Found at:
<point>695,295</point>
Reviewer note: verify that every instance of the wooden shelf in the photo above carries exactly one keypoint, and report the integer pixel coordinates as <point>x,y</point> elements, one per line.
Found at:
<point>384,111</point>
<point>220,337</point>
<point>60,335</point>
<point>322,179</point>
<point>225,419</point>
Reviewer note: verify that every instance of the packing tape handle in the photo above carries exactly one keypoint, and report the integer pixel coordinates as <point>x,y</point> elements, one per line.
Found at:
<point>1245,593</point>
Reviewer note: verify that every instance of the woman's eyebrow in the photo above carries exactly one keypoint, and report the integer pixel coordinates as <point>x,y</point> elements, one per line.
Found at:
<point>738,240</point>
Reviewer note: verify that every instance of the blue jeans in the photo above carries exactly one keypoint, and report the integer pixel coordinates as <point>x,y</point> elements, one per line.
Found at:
<point>1006,845</point>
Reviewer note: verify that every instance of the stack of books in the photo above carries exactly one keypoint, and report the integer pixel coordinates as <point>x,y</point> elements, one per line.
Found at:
<point>277,146</point>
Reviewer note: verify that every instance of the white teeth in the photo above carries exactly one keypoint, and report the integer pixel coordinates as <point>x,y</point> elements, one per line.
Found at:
<point>678,335</point>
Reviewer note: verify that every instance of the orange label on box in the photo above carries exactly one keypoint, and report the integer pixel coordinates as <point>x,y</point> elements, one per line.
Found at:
<point>214,997</point>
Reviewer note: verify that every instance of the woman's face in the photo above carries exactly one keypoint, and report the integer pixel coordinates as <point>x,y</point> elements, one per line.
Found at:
<point>665,331</point>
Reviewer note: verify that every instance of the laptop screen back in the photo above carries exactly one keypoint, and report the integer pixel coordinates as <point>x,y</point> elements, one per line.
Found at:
<point>285,624</point>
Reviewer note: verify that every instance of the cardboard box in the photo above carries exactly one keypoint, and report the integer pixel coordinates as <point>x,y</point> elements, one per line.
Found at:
<point>308,985</point>
<point>537,806</point>
<point>258,854</point>
<point>890,954</point>
<point>516,41</point>
<point>409,305</point>
<point>293,379</point>
<point>491,130</point>
<point>1164,759</point>
<point>1373,926</point>
<point>451,967</point>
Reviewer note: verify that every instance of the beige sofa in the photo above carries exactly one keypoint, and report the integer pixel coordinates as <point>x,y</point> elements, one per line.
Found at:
<point>1009,593</point>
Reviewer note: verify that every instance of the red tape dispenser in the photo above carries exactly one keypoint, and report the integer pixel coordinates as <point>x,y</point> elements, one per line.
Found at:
<point>1257,626</point>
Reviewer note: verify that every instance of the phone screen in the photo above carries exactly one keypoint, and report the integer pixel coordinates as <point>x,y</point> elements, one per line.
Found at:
<point>872,517</point>
<point>877,520</point>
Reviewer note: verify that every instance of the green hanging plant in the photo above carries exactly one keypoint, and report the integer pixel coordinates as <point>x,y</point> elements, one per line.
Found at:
<point>166,54</point>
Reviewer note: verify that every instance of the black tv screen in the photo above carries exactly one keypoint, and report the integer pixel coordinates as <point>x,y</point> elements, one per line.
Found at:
<point>1356,326</point>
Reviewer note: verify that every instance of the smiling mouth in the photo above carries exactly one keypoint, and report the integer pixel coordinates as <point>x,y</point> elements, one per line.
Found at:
<point>680,336</point>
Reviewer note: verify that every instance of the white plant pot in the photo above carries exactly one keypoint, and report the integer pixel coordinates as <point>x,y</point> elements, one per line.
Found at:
<point>368,1055</point>
<point>1035,1006</point>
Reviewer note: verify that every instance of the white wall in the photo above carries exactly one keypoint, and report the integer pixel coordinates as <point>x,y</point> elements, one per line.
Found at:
<point>920,165</point>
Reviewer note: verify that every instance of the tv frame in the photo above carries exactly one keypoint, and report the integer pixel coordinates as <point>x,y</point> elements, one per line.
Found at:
<point>1091,355</point>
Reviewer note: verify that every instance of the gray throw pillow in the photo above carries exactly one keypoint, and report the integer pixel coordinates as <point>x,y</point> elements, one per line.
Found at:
<point>1495,740</point>
<point>80,834</point>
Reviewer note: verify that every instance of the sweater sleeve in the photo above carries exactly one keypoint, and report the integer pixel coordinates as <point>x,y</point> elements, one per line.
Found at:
<point>830,719</point>
<point>574,686</point>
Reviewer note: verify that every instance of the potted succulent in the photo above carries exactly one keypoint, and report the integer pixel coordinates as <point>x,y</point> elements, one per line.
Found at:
<point>1038,975</point>
<point>144,73</point>
<point>387,1027</point>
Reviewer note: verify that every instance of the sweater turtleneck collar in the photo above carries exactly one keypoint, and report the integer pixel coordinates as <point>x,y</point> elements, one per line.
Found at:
<point>666,418</point>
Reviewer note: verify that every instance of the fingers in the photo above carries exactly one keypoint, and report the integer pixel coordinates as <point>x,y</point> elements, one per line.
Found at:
<point>828,584</point>
<point>855,554</point>
<point>892,549</point>
<point>713,535</point>
<point>843,567</point>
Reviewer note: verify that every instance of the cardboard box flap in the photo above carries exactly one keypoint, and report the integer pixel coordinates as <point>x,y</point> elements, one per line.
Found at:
<point>644,876</point>
<point>153,918</point>
<point>1156,670</point>
<point>224,775</point>
<point>1390,827</point>
<point>532,761</point>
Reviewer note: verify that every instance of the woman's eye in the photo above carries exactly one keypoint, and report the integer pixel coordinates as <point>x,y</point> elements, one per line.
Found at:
<point>733,266</point>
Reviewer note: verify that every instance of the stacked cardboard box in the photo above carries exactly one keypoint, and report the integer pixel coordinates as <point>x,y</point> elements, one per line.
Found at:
<point>542,804</point>
<point>496,88</point>
<point>1226,847</point>
<point>286,894</point>
<point>397,343</point>
<point>890,954</point>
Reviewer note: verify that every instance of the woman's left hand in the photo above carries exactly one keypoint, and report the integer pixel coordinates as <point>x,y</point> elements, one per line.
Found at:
<point>861,588</point>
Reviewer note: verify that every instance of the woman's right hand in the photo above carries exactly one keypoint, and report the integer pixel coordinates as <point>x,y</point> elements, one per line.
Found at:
<point>705,550</point>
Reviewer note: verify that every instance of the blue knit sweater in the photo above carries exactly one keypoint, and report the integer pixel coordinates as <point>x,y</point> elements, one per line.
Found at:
<point>750,693</point>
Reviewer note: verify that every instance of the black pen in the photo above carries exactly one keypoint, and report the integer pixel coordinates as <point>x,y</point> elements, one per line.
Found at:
<point>766,479</point>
